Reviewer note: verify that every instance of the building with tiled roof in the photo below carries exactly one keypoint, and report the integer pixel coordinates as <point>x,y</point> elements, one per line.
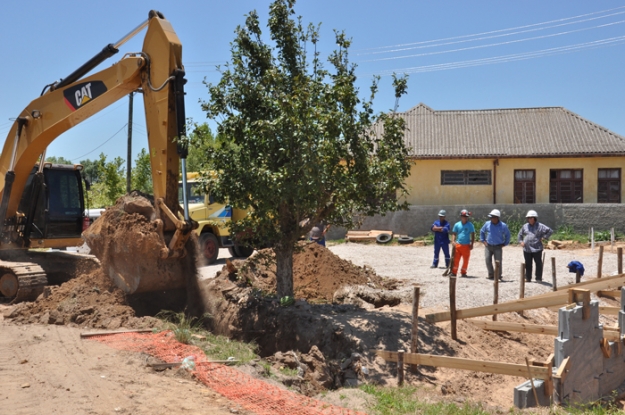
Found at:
<point>517,155</point>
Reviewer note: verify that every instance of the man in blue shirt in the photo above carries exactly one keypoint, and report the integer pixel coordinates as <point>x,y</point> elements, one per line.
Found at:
<point>441,238</point>
<point>494,235</point>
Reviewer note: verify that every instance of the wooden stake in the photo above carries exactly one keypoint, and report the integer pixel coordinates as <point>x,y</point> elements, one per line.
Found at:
<point>612,239</point>
<point>619,254</point>
<point>496,287</point>
<point>400,367</point>
<point>414,340</point>
<point>553,273</point>
<point>544,253</point>
<point>106,333</point>
<point>600,263</point>
<point>522,284</point>
<point>529,373</point>
<point>452,306</point>
<point>592,239</point>
<point>578,277</point>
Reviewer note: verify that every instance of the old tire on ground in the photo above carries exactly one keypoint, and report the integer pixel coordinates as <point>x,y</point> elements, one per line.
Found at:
<point>209,247</point>
<point>405,239</point>
<point>384,238</point>
<point>243,251</point>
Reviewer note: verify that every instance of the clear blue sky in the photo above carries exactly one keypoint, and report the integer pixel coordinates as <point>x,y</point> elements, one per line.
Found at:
<point>460,54</point>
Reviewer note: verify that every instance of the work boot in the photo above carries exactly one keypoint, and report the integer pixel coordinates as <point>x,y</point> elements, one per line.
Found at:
<point>490,277</point>
<point>433,266</point>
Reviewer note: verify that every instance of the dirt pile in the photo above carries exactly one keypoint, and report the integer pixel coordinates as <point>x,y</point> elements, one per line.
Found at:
<point>90,300</point>
<point>317,273</point>
<point>128,240</point>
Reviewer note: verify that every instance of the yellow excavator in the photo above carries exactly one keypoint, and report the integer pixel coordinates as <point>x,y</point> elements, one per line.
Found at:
<point>42,206</point>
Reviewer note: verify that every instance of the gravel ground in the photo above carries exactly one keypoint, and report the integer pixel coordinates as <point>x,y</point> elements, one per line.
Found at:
<point>412,264</point>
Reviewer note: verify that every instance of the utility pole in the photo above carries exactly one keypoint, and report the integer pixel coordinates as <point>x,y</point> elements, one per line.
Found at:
<point>129,157</point>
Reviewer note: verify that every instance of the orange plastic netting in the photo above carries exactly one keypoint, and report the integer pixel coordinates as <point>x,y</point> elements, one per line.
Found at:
<point>252,394</point>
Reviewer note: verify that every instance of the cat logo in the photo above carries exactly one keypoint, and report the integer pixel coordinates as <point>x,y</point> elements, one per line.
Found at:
<point>81,94</point>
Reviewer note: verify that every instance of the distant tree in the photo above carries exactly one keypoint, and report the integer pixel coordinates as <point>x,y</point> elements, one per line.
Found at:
<point>90,170</point>
<point>201,139</point>
<point>111,182</point>
<point>141,175</point>
<point>295,141</point>
<point>58,160</point>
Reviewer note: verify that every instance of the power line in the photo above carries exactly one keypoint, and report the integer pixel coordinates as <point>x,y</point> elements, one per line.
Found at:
<point>492,31</point>
<point>489,45</point>
<point>507,58</point>
<point>496,36</point>
<point>107,140</point>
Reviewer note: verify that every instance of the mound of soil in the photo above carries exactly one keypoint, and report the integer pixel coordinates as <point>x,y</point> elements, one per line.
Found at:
<point>90,300</point>
<point>317,273</point>
<point>128,240</point>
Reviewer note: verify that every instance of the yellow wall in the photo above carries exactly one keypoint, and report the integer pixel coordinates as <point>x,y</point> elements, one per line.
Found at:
<point>424,182</point>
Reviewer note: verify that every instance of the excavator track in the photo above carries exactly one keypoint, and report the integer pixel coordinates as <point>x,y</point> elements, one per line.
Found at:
<point>21,281</point>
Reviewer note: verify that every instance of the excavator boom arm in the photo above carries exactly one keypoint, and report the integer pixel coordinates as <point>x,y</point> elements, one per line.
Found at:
<point>157,71</point>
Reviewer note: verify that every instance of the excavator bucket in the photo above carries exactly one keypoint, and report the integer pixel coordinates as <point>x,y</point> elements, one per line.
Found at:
<point>129,241</point>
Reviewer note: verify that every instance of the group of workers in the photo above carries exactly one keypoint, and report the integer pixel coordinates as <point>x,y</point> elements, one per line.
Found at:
<point>494,235</point>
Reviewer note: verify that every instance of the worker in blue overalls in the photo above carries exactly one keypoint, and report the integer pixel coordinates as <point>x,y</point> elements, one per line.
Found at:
<point>441,238</point>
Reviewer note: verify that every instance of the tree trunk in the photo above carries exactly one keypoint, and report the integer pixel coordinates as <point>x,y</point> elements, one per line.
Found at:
<point>284,270</point>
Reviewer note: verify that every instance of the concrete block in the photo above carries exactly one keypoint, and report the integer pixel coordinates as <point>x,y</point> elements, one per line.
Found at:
<point>579,339</point>
<point>524,395</point>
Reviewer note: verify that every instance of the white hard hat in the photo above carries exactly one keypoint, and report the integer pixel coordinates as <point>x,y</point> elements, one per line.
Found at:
<point>465,212</point>
<point>531,214</point>
<point>494,212</point>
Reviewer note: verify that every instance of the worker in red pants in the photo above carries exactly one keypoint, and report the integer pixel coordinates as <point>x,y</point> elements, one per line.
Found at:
<point>463,236</point>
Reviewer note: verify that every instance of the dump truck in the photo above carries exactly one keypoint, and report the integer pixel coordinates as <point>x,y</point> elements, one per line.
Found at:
<point>213,221</point>
<point>36,214</point>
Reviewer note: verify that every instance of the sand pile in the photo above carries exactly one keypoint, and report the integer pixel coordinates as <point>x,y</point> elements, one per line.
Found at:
<point>317,273</point>
<point>90,300</point>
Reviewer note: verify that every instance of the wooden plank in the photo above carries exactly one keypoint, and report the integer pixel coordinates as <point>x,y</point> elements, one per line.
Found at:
<point>555,299</point>
<point>106,333</point>
<point>600,262</point>
<point>613,336</point>
<point>563,369</point>
<point>554,282</point>
<point>515,327</point>
<point>614,294</point>
<point>550,299</point>
<point>510,369</point>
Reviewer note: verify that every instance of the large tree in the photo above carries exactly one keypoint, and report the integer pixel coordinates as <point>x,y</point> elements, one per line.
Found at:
<point>295,142</point>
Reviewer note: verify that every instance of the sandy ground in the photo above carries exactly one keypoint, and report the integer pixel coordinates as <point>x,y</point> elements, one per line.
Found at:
<point>50,370</point>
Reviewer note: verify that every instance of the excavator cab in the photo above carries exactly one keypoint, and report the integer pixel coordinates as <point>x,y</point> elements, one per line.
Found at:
<point>59,211</point>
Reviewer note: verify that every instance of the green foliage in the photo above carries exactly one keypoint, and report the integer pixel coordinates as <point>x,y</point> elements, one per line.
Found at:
<point>201,139</point>
<point>295,141</point>
<point>601,236</point>
<point>216,347</point>
<point>287,301</point>
<point>58,160</point>
<point>111,182</point>
<point>182,325</point>
<point>402,400</point>
<point>141,174</point>
<point>567,233</point>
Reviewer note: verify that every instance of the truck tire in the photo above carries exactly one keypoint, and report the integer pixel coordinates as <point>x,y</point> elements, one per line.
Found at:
<point>209,247</point>
<point>384,238</point>
<point>243,251</point>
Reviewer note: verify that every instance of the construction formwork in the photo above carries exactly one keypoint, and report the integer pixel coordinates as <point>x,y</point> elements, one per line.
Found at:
<point>586,365</point>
